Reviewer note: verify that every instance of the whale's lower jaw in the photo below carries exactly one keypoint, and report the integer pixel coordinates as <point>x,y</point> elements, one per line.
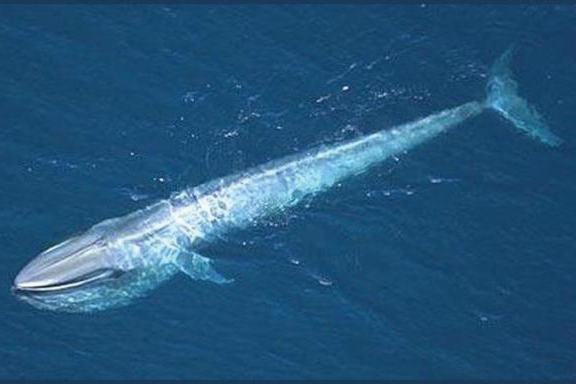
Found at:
<point>97,297</point>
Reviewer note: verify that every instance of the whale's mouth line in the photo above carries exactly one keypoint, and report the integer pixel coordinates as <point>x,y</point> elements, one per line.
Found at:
<point>90,278</point>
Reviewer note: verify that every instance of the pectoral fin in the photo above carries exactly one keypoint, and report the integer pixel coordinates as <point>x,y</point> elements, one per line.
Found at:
<point>199,267</point>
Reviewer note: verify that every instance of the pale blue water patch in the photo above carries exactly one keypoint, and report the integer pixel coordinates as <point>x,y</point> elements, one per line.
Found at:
<point>452,261</point>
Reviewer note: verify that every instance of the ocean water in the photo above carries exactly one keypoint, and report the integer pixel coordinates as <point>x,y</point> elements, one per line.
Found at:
<point>455,260</point>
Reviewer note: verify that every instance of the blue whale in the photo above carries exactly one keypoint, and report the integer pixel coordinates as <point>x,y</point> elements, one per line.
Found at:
<point>123,258</point>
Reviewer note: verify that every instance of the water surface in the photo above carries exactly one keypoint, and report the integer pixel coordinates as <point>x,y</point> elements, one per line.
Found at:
<point>455,260</point>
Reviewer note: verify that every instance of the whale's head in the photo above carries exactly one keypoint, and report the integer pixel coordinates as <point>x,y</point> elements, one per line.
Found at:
<point>85,273</point>
<point>74,263</point>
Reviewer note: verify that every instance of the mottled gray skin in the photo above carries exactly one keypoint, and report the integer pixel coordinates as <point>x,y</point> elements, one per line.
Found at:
<point>196,216</point>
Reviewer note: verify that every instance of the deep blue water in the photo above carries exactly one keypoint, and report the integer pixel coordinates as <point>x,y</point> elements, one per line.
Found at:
<point>456,261</point>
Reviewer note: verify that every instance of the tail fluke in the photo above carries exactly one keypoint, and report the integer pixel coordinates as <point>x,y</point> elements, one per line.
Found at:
<point>503,97</point>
